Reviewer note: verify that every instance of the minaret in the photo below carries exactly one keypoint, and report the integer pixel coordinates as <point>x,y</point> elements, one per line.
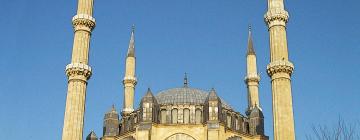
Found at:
<point>78,72</point>
<point>130,78</point>
<point>280,70</point>
<point>252,78</point>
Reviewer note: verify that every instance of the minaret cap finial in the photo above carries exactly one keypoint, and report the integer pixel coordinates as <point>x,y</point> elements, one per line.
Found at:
<point>185,80</point>
<point>133,28</point>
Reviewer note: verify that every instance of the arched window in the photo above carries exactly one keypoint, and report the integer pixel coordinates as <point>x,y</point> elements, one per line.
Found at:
<point>237,124</point>
<point>186,116</point>
<point>180,136</point>
<point>213,113</point>
<point>228,120</point>
<point>163,116</point>
<point>146,111</point>
<point>135,119</point>
<point>246,127</point>
<point>174,116</point>
<point>198,116</point>
<point>128,124</point>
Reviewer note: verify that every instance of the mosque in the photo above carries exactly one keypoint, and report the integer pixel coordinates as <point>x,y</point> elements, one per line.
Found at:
<point>183,113</point>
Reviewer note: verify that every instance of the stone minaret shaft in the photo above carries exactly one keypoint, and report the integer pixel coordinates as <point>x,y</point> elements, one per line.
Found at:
<point>78,72</point>
<point>130,78</point>
<point>252,78</point>
<point>280,70</point>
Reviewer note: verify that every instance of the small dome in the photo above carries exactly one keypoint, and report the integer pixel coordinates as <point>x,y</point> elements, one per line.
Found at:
<point>184,95</point>
<point>256,112</point>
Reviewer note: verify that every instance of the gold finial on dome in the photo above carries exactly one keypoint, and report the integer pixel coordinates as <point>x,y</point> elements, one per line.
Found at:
<point>186,84</point>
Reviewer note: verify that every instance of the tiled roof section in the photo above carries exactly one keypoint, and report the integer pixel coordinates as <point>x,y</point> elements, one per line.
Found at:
<point>213,95</point>
<point>149,97</point>
<point>256,112</point>
<point>149,93</point>
<point>178,96</point>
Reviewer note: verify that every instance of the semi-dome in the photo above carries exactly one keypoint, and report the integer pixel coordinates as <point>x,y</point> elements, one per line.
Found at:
<point>185,95</point>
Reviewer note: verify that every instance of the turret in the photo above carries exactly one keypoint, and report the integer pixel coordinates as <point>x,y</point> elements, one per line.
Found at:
<point>92,136</point>
<point>111,123</point>
<point>213,107</point>
<point>149,108</point>
<point>212,115</point>
<point>252,78</point>
<point>256,118</point>
<point>130,78</point>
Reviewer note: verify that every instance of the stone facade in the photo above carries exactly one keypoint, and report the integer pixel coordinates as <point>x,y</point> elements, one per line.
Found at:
<point>183,113</point>
<point>181,118</point>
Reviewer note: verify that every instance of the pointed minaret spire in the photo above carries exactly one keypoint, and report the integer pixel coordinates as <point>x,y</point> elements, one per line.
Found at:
<point>131,49</point>
<point>186,80</point>
<point>250,49</point>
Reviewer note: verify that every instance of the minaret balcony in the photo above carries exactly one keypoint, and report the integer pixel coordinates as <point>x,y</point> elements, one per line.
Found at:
<point>83,22</point>
<point>78,71</point>
<point>276,17</point>
<point>281,66</point>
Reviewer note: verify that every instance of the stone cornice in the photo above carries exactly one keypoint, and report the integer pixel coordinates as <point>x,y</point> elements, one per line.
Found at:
<point>276,17</point>
<point>253,77</point>
<point>83,22</point>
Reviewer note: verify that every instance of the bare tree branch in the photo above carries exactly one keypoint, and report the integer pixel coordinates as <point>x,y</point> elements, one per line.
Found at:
<point>340,131</point>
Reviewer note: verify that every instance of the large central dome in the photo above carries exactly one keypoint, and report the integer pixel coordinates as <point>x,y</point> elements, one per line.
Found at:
<point>184,95</point>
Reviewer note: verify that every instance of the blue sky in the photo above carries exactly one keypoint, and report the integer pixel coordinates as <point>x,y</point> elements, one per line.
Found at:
<point>206,39</point>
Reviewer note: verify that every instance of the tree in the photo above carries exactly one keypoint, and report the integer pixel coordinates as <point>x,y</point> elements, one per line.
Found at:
<point>340,131</point>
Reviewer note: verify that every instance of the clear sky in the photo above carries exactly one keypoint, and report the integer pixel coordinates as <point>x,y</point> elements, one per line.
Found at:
<point>205,38</point>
